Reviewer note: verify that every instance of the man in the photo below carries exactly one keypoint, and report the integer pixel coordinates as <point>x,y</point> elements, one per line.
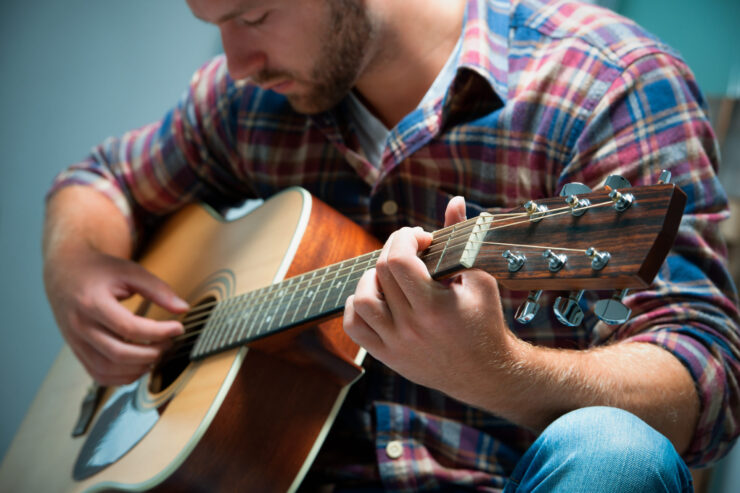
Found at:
<point>387,110</point>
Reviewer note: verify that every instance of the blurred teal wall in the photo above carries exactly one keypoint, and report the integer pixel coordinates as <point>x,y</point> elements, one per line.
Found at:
<point>73,72</point>
<point>706,33</point>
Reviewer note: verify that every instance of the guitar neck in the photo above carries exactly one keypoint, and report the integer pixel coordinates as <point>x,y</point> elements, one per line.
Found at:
<point>558,244</point>
<point>316,295</point>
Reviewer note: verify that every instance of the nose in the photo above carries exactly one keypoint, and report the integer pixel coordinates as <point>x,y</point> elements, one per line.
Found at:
<point>243,58</point>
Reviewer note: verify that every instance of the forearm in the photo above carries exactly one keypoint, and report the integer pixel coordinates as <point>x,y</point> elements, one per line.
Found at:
<point>638,377</point>
<point>79,218</point>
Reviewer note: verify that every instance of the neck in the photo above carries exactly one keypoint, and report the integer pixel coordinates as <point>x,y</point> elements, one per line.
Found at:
<point>415,39</point>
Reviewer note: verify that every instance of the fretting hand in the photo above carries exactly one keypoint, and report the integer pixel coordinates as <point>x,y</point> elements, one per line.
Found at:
<point>445,335</point>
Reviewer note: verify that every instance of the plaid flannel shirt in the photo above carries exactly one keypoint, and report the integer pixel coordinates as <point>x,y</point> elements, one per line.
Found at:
<point>545,93</point>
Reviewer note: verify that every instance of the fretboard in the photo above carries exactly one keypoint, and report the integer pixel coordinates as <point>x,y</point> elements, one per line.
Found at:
<point>308,297</point>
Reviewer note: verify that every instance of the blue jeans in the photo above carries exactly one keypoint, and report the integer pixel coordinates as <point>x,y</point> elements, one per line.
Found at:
<point>603,450</point>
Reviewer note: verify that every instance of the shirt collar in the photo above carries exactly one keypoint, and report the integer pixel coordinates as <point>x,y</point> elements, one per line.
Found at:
<point>485,40</point>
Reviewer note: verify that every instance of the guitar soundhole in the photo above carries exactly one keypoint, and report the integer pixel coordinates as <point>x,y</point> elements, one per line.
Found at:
<point>176,359</point>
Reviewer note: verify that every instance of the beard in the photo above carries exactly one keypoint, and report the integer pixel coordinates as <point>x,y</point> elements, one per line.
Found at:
<point>344,41</point>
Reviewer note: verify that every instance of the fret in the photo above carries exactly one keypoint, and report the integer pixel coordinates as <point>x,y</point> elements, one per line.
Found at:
<point>226,322</point>
<point>327,287</point>
<point>304,283</point>
<point>246,307</point>
<point>335,289</point>
<point>254,329</point>
<point>311,290</point>
<point>258,312</point>
<point>292,291</point>
<point>310,295</point>
<point>272,303</point>
<point>348,282</point>
<point>211,328</point>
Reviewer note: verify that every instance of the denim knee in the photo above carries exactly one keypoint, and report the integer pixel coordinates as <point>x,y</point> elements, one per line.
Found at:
<point>601,449</point>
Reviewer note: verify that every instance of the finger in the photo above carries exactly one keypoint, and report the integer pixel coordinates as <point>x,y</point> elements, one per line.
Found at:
<point>358,330</point>
<point>152,288</point>
<point>369,305</point>
<point>403,272</point>
<point>386,282</point>
<point>102,370</point>
<point>455,211</point>
<point>118,319</point>
<point>123,353</point>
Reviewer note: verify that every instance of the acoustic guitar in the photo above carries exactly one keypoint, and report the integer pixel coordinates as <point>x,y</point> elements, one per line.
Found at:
<point>244,399</point>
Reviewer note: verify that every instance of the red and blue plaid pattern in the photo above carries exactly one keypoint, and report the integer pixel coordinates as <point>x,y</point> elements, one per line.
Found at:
<point>546,92</point>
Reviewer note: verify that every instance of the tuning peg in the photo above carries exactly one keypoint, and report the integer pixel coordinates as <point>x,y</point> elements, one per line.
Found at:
<point>616,181</point>
<point>567,310</point>
<point>527,310</point>
<point>536,212</point>
<point>516,262</point>
<point>598,259</point>
<point>574,188</point>
<point>555,261</point>
<point>622,201</point>
<point>612,311</point>
<point>577,206</point>
<point>665,177</point>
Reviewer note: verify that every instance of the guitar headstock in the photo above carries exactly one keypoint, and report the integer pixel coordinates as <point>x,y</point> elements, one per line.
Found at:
<point>614,238</point>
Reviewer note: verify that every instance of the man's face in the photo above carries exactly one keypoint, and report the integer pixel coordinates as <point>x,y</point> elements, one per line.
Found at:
<point>312,51</point>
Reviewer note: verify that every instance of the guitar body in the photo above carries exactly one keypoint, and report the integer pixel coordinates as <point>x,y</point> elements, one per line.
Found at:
<point>248,419</point>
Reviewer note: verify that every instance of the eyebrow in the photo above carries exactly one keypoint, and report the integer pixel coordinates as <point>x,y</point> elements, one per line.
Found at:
<point>235,13</point>
<point>223,18</point>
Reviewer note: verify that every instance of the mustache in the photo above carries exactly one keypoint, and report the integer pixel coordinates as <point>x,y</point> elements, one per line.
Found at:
<point>265,76</point>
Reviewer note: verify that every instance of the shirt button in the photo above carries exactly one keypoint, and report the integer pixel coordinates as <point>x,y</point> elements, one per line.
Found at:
<point>390,207</point>
<point>394,449</point>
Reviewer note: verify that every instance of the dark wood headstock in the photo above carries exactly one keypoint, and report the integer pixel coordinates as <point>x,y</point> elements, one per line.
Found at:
<point>637,240</point>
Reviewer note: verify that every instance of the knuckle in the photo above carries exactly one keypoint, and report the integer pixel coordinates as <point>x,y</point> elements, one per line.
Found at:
<point>117,354</point>
<point>129,329</point>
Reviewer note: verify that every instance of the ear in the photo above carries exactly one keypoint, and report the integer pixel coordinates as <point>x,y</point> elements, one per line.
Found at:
<point>455,211</point>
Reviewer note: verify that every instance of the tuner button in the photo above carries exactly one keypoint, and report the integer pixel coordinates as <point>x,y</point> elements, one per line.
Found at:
<point>616,181</point>
<point>567,310</point>
<point>527,310</point>
<point>556,262</point>
<point>612,311</point>
<point>574,188</point>
<point>516,262</point>
<point>665,177</point>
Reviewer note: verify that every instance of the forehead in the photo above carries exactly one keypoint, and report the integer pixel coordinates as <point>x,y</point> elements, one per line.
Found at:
<point>216,11</point>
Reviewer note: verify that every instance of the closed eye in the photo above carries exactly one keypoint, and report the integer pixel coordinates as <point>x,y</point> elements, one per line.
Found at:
<point>253,22</point>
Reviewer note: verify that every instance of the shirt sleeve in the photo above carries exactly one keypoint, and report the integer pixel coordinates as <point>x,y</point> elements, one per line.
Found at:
<point>652,118</point>
<point>188,155</point>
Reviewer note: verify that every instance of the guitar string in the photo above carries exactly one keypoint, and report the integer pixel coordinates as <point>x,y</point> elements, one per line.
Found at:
<point>453,230</point>
<point>269,290</point>
<point>429,253</point>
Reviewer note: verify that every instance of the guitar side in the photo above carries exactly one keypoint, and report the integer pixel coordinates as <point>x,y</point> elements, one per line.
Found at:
<point>247,419</point>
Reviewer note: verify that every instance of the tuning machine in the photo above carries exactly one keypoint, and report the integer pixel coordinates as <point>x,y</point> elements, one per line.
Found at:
<point>612,311</point>
<point>567,310</point>
<point>527,310</point>
<point>598,259</point>
<point>515,261</point>
<point>555,261</point>
<point>535,211</point>
<point>615,181</point>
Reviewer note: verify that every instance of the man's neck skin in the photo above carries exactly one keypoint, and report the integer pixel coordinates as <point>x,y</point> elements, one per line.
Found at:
<point>416,40</point>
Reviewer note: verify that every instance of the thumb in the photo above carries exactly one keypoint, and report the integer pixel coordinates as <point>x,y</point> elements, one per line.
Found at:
<point>455,211</point>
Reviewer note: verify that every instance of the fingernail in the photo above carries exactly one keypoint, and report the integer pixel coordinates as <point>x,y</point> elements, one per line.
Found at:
<point>180,303</point>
